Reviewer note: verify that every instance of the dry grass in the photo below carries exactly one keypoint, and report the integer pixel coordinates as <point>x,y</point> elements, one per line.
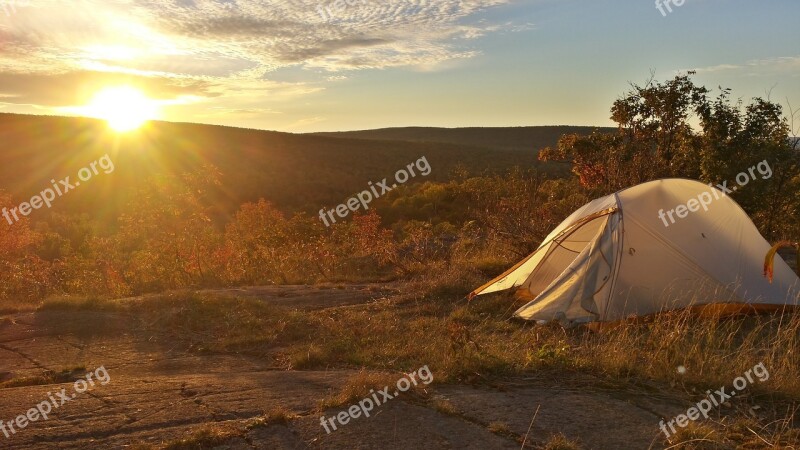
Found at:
<point>500,428</point>
<point>312,356</point>
<point>699,436</point>
<point>48,377</point>
<point>560,442</point>
<point>444,406</point>
<point>204,439</point>
<point>358,387</point>
<point>477,342</point>
<point>220,434</point>
<point>713,351</point>
<point>473,340</point>
<point>739,433</point>
<point>278,415</point>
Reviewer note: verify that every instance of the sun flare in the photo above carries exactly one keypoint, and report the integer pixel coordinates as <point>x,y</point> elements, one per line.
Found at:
<point>125,108</point>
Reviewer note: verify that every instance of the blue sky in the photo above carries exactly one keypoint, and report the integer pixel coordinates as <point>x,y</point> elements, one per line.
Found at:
<point>283,66</point>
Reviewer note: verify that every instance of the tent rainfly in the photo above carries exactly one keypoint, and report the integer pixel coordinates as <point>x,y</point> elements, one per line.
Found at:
<point>624,256</point>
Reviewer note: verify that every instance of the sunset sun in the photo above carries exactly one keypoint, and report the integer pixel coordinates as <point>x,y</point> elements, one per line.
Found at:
<point>124,108</point>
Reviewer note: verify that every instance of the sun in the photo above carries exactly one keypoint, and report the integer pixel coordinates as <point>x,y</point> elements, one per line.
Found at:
<point>125,108</point>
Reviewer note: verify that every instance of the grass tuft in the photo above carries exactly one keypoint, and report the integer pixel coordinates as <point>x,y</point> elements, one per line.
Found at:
<point>358,387</point>
<point>206,438</point>
<point>67,375</point>
<point>278,415</point>
<point>561,442</point>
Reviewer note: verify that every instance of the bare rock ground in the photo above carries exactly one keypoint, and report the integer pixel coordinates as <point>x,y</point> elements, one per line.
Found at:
<point>159,394</point>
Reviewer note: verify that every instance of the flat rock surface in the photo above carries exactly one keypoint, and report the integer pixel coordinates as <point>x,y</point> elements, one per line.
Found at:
<point>157,394</point>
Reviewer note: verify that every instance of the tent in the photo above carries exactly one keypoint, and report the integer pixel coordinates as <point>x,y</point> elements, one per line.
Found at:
<point>658,246</point>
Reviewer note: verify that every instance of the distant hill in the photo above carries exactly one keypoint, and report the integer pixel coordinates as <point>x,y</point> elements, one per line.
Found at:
<point>295,171</point>
<point>519,139</point>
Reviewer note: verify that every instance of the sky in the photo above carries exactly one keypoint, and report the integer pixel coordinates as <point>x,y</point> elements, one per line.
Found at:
<point>331,65</point>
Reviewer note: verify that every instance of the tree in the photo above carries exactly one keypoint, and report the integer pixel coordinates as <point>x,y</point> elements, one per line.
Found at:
<point>168,233</point>
<point>23,274</point>
<point>259,240</point>
<point>673,129</point>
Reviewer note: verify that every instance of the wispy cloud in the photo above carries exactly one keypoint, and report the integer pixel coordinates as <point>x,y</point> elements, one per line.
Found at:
<point>54,51</point>
<point>783,63</point>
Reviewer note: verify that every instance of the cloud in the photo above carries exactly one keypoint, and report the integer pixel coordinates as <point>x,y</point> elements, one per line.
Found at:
<point>76,87</point>
<point>783,63</point>
<point>270,34</point>
<point>54,52</point>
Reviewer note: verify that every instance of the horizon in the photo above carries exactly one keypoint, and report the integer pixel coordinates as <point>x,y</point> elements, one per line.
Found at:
<point>315,67</point>
<point>316,132</point>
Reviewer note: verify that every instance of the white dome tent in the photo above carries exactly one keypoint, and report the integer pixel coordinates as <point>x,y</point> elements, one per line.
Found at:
<point>619,257</point>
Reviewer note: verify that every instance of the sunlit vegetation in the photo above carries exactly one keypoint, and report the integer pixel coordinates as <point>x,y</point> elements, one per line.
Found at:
<point>172,235</point>
<point>167,239</point>
<point>48,377</point>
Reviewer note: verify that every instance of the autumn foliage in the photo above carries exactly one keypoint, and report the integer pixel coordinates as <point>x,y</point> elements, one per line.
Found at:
<point>171,233</point>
